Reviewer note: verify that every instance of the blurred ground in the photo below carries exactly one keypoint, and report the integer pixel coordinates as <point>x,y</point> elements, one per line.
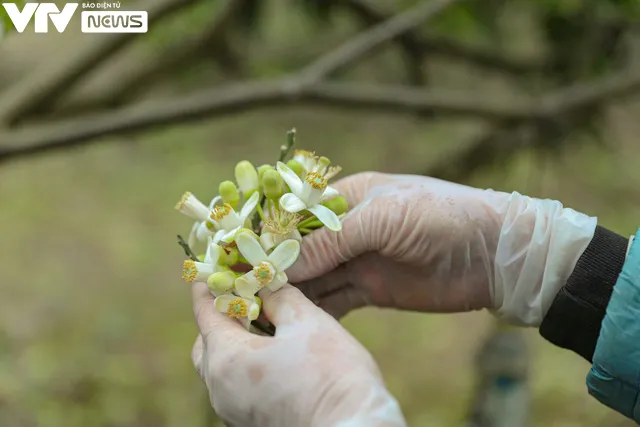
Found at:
<point>97,326</point>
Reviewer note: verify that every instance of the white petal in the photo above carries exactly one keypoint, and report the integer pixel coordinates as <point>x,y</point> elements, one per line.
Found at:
<point>285,254</point>
<point>218,236</point>
<point>230,235</point>
<point>250,248</point>
<point>330,193</point>
<point>291,203</point>
<point>246,323</point>
<point>213,253</point>
<point>193,234</point>
<point>246,287</point>
<point>222,302</point>
<point>214,201</point>
<point>327,217</point>
<point>249,206</point>
<point>267,240</point>
<point>279,281</point>
<point>293,181</point>
<point>253,312</point>
<point>203,232</point>
<point>295,235</point>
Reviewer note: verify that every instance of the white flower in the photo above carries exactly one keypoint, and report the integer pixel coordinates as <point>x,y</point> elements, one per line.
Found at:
<point>227,221</point>
<point>209,270</point>
<point>279,226</point>
<point>190,206</point>
<point>312,163</point>
<point>241,308</point>
<point>308,195</point>
<point>268,270</point>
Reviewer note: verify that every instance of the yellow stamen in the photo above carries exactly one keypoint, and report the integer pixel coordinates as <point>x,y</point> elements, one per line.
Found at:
<point>332,171</point>
<point>263,273</point>
<point>237,308</point>
<point>316,180</point>
<point>220,212</point>
<point>282,222</point>
<point>183,200</point>
<point>189,271</point>
<point>304,153</point>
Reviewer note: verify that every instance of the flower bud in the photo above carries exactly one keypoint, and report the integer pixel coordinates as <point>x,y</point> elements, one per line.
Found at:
<point>323,162</point>
<point>229,193</point>
<point>221,281</point>
<point>262,169</point>
<point>338,205</point>
<point>228,256</point>
<point>247,178</point>
<point>272,184</point>
<point>254,312</point>
<point>297,167</point>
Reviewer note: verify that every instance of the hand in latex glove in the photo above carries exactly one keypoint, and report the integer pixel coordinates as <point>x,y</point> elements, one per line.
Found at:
<point>418,243</point>
<point>312,373</point>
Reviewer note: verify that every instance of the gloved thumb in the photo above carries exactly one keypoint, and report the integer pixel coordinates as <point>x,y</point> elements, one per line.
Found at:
<point>287,306</point>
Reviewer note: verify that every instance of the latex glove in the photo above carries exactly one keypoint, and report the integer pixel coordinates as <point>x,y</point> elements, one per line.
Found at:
<point>312,373</point>
<point>418,243</point>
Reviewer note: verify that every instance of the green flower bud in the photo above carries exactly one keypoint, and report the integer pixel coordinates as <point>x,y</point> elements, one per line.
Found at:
<point>229,193</point>
<point>323,162</point>
<point>295,166</point>
<point>221,281</point>
<point>272,184</point>
<point>338,205</point>
<point>230,258</point>
<point>247,178</point>
<point>262,169</point>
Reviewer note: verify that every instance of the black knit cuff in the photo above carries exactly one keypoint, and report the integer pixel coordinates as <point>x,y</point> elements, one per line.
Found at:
<point>574,319</point>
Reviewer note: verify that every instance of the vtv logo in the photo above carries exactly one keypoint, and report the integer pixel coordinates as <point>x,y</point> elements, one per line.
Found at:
<point>43,12</point>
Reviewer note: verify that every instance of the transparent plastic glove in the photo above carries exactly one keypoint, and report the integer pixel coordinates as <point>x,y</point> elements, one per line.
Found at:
<point>312,373</point>
<point>418,243</point>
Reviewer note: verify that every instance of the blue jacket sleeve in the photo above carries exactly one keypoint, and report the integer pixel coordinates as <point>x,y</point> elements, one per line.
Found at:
<point>614,378</point>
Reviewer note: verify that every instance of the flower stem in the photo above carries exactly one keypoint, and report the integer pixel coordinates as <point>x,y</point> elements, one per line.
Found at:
<point>305,230</point>
<point>310,222</point>
<point>260,212</point>
<point>286,148</point>
<point>187,250</point>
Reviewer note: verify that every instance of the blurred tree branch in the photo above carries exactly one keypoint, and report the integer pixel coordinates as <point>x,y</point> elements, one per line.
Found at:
<point>548,108</point>
<point>144,73</point>
<point>308,86</point>
<point>417,46</point>
<point>366,42</point>
<point>45,84</point>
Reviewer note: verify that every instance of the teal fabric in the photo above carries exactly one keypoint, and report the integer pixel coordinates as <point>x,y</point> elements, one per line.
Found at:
<point>614,378</point>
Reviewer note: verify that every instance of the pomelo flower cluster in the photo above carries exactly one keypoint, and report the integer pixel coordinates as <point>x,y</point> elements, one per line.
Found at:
<point>252,229</point>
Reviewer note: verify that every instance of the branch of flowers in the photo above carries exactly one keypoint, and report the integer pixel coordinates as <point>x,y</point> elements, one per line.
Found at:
<point>187,250</point>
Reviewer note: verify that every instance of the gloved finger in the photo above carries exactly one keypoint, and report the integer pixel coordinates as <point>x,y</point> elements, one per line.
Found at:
<point>346,299</point>
<point>324,250</point>
<point>288,305</point>
<point>215,327</point>
<point>196,355</point>
<point>322,286</point>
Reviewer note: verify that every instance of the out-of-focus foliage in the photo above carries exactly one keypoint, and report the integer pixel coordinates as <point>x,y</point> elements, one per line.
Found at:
<point>5,21</point>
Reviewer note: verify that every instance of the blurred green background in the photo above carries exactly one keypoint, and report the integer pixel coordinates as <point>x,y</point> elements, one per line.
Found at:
<point>96,326</point>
